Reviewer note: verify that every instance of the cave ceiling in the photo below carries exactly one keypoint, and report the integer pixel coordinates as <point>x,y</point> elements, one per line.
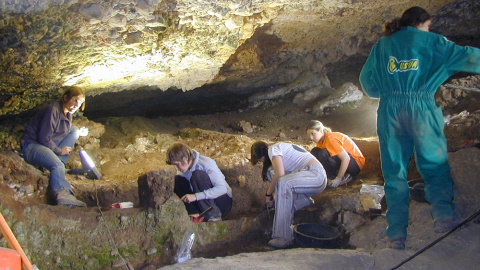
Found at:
<point>152,57</point>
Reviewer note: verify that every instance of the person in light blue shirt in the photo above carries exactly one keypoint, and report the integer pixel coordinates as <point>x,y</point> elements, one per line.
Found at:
<point>404,70</point>
<point>200,184</point>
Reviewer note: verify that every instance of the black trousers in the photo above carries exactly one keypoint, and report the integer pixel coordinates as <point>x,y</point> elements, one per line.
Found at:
<point>200,181</point>
<point>332,164</point>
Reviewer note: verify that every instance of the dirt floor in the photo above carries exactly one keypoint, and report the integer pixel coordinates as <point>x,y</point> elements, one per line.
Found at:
<point>132,147</point>
<point>283,122</point>
<point>129,148</point>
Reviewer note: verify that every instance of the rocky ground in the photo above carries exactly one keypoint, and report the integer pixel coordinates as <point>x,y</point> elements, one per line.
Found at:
<point>130,154</point>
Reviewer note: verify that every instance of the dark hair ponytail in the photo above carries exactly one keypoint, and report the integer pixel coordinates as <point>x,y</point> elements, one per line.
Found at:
<point>411,17</point>
<point>266,165</point>
<point>391,27</point>
<point>260,149</point>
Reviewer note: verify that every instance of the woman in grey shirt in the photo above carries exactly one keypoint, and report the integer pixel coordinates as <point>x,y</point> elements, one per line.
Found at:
<point>297,176</point>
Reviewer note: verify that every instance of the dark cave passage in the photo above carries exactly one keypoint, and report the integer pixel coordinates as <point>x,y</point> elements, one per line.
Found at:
<point>152,103</point>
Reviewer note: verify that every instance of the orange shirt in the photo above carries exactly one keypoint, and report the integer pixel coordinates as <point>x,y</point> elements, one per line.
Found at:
<point>336,142</point>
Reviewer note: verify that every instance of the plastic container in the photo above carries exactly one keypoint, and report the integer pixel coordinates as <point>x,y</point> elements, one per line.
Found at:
<point>10,259</point>
<point>184,252</point>
<point>315,235</point>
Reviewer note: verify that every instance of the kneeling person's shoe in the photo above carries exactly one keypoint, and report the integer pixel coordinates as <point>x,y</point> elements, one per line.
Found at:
<point>65,198</point>
<point>280,243</point>
<point>398,243</point>
<point>214,219</point>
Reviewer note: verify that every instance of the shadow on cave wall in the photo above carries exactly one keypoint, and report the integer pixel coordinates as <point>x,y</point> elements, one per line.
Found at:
<point>149,102</point>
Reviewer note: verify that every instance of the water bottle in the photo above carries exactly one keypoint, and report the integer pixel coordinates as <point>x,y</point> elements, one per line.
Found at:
<point>184,252</point>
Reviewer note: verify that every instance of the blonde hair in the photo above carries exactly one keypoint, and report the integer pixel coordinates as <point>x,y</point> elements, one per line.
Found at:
<point>317,125</point>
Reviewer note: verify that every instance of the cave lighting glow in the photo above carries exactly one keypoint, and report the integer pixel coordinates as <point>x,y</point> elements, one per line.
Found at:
<point>116,68</point>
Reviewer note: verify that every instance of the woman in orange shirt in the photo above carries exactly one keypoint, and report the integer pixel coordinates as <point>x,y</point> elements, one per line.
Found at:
<point>337,152</point>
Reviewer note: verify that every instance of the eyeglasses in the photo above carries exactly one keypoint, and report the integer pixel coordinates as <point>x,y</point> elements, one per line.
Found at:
<point>79,101</point>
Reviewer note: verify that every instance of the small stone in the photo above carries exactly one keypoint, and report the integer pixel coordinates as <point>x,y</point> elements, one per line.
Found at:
<point>151,251</point>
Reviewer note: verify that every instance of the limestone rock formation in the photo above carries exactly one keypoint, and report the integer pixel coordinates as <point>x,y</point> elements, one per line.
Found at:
<point>141,57</point>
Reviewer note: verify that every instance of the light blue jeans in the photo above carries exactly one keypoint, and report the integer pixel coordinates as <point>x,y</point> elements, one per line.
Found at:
<point>43,156</point>
<point>293,193</point>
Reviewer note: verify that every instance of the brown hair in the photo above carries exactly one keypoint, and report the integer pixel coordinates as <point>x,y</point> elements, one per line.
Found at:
<point>73,91</point>
<point>177,152</point>
<point>411,17</point>
<point>260,149</point>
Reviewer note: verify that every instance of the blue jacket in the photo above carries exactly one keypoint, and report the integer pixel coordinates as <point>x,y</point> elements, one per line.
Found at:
<point>49,126</point>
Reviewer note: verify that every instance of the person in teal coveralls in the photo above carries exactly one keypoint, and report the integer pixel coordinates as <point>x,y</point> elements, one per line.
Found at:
<point>404,69</point>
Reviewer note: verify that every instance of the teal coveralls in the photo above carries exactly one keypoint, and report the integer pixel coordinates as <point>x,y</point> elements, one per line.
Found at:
<point>404,70</point>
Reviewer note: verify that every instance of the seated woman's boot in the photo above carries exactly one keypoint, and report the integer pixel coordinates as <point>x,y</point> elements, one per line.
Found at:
<point>65,198</point>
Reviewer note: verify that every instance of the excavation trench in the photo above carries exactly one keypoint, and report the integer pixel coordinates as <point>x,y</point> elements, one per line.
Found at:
<point>247,228</point>
<point>130,154</point>
<point>131,158</point>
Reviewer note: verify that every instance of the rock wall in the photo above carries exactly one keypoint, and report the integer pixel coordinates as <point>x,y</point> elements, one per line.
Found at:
<point>246,47</point>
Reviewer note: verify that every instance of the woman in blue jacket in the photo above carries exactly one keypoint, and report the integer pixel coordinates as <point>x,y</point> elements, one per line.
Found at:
<point>49,139</point>
<point>404,70</point>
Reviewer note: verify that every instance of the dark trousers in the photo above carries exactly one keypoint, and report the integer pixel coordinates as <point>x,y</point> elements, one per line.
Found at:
<point>200,181</point>
<point>332,164</point>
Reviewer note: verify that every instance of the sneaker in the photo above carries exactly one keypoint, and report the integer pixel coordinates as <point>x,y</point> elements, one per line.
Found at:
<point>398,243</point>
<point>443,226</point>
<point>280,243</point>
<point>214,219</point>
<point>65,198</point>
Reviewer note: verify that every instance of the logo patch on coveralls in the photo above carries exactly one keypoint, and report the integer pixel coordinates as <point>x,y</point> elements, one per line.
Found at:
<point>400,66</point>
